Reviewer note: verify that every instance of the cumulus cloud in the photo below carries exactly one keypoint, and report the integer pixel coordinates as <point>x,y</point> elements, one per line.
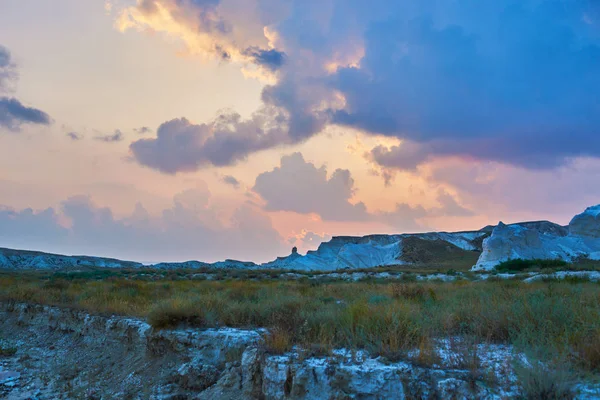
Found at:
<point>190,229</point>
<point>13,114</point>
<point>231,180</point>
<point>117,136</point>
<point>510,81</point>
<point>182,146</point>
<point>299,186</point>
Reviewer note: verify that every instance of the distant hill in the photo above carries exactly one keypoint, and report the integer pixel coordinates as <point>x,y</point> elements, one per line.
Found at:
<point>484,248</point>
<point>25,259</point>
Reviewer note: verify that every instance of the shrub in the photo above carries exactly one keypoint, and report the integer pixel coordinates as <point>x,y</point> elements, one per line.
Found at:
<point>542,382</point>
<point>519,264</point>
<point>174,312</point>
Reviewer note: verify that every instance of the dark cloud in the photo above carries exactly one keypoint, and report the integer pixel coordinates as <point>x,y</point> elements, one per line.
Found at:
<point>182,146</point>
<point>507,81</point>
<point>74,136</point>
<point>143,130</point>
<point>190,229</point>
<point>512,81</point>
<point>231,180</point>
<point>299,186</point>
<point>13,114</point>
<point>117,136</point>
<point>406,156</point>
<point>270,59</point>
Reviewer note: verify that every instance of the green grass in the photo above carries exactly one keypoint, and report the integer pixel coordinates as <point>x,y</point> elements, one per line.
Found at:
<point>518,265</point>
<point>560,320</point>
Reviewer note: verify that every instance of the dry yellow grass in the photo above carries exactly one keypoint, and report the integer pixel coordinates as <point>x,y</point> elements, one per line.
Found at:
<point>558,320</point>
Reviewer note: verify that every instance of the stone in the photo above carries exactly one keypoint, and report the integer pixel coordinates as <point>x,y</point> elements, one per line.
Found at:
<point>196,375</point>
<point>8,378</point>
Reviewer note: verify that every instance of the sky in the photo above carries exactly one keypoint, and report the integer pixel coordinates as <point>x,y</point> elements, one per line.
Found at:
<point>170,130</point>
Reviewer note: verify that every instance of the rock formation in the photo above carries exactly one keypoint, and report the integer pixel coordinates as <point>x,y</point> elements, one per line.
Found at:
<point>343,252</point>
<point>349,252</point>
<point>543,240</point>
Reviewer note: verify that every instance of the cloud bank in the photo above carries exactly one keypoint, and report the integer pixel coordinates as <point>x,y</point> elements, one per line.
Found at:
<point>299,186</point>
<point>189,229</point>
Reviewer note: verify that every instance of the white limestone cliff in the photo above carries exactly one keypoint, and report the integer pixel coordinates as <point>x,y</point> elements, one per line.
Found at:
<point>348,252</point>
<point>543,240</point>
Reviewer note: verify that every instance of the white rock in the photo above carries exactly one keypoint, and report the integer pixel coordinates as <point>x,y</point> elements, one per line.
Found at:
<point>543,240</point>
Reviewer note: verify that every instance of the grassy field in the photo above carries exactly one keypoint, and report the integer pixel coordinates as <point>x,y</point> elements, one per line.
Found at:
<point>554,321</point>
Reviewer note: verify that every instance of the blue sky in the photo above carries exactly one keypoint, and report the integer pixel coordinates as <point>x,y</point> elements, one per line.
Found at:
<point>211,129</point>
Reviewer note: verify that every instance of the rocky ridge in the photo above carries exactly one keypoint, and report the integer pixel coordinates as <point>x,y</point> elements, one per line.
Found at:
<point>343,252</point>
<point>527,240</point>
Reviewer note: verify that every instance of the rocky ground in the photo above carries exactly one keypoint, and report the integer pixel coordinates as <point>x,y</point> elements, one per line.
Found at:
<point>52,353</point>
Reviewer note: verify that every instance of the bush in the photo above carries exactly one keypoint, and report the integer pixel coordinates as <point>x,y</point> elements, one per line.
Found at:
<point>541,382</point>
<point>519,264</point>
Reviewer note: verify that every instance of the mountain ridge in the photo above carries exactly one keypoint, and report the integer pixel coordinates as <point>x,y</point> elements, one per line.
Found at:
<point>491,245</point>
